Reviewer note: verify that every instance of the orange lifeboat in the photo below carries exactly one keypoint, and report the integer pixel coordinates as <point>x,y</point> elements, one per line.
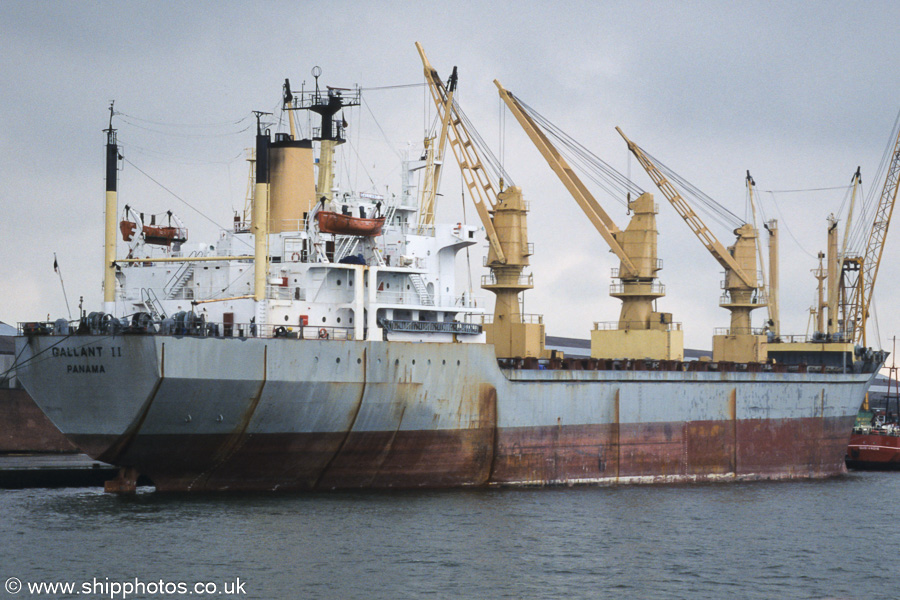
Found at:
<point>332,222</point>
<point>159,236</point>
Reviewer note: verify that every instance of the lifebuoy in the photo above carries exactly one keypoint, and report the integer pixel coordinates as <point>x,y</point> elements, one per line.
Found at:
<point>323,334</point>
<point>280,332</point>
<point>295,256</point>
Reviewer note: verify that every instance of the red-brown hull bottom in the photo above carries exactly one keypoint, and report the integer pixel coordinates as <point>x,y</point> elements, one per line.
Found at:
<point>25,428</point>
<point>704,450</point>
<point>873,452</point>
<point>699,450</point>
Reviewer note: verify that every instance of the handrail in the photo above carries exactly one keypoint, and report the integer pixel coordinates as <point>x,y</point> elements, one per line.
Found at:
<point>614,325</point>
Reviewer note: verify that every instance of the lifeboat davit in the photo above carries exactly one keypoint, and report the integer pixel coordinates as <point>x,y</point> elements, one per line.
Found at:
<point>160,236</point>
<point>332,222</point>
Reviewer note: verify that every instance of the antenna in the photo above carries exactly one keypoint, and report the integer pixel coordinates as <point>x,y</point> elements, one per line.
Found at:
<point>259,114</point>
<point>316,71</point>
<point>110,132</point>
<point>59,272</point>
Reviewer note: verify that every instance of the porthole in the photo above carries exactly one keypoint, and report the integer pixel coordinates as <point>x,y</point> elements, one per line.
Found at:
<point>285,318</point>
<point>339,282</point>
<point>358,361</point>
<point>323,319</point>
<point>414,361</point>
<point>338,360</point>
<point>338,319</point>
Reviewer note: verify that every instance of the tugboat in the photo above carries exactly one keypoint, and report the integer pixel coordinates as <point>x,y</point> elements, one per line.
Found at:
<point>875,442</point>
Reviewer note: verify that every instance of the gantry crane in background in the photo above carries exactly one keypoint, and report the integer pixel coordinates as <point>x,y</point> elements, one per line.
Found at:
<point>740,343</point>
<point>503,215</point>
<point>641,332</point>
<point>851,279</point>
<point>871,260</point>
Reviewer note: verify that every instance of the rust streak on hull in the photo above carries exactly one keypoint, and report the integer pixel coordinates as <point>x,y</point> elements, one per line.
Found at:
<point>118,446</point>
<point>237,438</point>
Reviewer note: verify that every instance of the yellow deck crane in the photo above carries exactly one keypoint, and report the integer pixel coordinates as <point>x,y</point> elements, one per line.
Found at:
<point>435,147</point>
<point>641,332</point>
<point>871,260</point>
<point>848,267</point>
<point>503,215</point>
<point>768,290</point>
<point>740,343</point>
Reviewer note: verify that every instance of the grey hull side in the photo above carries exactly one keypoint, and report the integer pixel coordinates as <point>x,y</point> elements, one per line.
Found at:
<point>206,413</point>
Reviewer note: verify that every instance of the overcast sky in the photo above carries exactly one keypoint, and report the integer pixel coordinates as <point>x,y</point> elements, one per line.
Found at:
<point>798,93</point>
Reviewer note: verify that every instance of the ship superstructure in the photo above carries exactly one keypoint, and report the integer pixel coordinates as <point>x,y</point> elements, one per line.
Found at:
<point>332,265</point>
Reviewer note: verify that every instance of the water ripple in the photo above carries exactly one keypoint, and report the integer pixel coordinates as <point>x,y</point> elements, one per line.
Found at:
<point>759,540</point>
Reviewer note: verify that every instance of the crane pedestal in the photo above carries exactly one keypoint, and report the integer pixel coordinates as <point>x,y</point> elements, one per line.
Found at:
<point>740,347</point>
<point>512,332</point>
<point>517,339</point>
<point>654,344</point>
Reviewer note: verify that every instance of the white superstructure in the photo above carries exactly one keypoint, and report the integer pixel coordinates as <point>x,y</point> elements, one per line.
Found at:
<point>377,274</point>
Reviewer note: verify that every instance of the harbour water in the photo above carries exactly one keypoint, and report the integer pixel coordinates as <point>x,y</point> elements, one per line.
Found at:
<point>796,539</point>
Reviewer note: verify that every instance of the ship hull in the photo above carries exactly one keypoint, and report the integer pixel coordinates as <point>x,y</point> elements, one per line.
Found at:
<point>264,414</point>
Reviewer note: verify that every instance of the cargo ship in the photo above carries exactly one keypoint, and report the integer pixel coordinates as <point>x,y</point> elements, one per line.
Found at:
<point>322,344</point>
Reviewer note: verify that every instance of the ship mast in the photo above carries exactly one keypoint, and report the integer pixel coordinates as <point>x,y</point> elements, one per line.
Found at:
<point>260,224</point>
<point>331,131</point>
<point>774,317</point>
<point>831,271</point>
<point>112,209</point>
